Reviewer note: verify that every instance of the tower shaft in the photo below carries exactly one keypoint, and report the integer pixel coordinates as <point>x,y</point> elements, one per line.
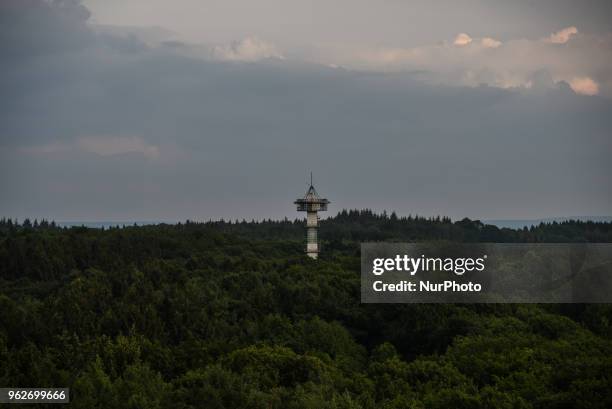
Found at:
<point>312,228</point>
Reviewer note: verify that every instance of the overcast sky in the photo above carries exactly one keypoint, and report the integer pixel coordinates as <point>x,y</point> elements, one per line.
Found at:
<point>158,110</point>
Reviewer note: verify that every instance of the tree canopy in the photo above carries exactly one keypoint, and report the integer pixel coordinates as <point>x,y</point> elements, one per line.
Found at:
<point>234,315</point>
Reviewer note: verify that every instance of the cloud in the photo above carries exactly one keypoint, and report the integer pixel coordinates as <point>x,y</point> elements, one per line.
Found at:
<point>486,60</point>
<point>462,39</point>
<point>246,136</point>
<point>489,42</point>
<point>584,86</point>
<point>51,148</point>
<point>562,36</point>
<point>118,145</point>
<point>247,49</point>
<point>39,27</point>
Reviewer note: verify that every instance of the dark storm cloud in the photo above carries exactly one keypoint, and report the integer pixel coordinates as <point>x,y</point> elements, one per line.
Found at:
<point>105,130</point>
<point>33,27</point>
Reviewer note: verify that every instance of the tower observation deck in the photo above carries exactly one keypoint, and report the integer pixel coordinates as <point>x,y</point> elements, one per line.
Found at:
<point>312,203</point>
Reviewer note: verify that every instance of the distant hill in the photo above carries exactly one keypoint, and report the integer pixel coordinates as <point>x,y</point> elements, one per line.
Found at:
<point>106,223</point>
<point>520,223</point>
<point>500,223</point>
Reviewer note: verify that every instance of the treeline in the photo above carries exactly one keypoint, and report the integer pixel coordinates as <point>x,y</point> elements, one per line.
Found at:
<point>233,315</point>
<point>42,250</point>
<point>8,224</point>
<point>366,225</point>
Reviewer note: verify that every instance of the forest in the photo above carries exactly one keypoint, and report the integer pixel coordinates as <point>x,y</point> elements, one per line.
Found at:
<point>232,314</point>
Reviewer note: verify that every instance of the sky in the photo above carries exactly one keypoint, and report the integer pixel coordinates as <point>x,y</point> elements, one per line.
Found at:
<point>157,110</point>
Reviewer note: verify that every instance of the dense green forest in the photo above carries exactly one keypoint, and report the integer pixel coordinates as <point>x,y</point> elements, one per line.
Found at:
<point>233,315</point>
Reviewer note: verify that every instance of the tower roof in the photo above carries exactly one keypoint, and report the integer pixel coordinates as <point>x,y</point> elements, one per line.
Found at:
<point>311,197</point>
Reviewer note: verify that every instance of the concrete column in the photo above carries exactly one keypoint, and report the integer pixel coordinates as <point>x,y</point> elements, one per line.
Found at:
<point>312,243</point>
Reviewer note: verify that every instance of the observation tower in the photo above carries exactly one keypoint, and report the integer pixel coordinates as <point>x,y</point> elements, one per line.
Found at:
<point>312,203</point>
